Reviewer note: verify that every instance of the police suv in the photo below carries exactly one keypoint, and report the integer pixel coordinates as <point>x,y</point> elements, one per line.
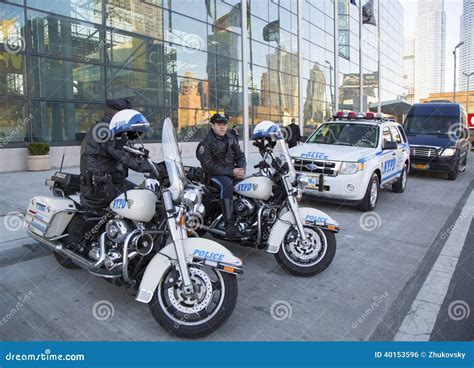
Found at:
<point>352,156</point>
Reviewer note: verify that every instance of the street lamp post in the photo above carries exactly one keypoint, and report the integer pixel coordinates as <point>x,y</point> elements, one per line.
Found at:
<point>454,53</point>
<point>468,75</point>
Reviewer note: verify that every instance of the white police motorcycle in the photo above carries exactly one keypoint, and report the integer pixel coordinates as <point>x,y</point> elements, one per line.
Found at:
<point>266,210</point>
<point>141,241</point>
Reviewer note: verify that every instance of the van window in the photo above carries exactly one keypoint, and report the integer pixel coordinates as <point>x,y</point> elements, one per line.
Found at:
<point>432,118</point>
<point>395,134</point>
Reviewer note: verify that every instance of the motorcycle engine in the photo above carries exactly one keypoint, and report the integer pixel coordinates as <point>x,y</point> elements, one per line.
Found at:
<point>244,207</point>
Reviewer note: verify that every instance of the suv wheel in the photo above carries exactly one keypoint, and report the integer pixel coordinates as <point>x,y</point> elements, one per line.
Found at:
<point>369,201</point>
<point>401,184</point>
<point>453,173</point>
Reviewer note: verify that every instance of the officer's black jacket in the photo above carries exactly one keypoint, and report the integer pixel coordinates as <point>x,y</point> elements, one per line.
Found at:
<point>101,156</point>
<point>220,156</point>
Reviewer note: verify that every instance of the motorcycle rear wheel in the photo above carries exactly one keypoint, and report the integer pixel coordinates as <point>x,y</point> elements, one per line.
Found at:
<point>200,314</point>
<point>310,260</point>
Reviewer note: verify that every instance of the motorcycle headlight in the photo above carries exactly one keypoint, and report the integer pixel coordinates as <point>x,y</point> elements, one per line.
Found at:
<point>349,168</point>
<point>191,197</point>
<point>448,152</point>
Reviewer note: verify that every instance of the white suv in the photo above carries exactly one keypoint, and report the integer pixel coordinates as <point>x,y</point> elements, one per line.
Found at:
<point>349,158</point>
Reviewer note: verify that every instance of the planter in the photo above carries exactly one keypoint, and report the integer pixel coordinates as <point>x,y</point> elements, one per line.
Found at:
<point>38,163</point>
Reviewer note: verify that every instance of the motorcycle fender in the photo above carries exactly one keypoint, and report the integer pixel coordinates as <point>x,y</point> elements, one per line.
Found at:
<point>195,248</point>
<point>308,216</point>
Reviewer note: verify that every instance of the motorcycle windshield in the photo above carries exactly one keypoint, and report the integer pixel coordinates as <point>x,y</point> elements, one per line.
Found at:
<point>285,156</point>
<point>172,158</point>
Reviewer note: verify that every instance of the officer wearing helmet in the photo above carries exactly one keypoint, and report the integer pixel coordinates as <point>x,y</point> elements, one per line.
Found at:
<point>104,163</point>
<point>223,162</point>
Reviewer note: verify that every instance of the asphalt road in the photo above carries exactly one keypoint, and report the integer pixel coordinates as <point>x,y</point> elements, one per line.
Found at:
<point>380,264</point>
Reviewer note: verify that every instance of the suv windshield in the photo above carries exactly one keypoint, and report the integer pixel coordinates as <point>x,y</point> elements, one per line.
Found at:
<point>346,134</point>
<point>430,124</point>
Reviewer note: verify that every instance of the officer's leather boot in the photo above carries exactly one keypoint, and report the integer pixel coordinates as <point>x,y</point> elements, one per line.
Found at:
<point>231,230</point>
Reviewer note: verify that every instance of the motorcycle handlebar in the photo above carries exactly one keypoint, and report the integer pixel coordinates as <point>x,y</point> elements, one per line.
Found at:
<point>136,151</point>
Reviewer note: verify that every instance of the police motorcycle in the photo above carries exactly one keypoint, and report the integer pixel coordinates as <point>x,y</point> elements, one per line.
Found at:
<point>266,210</point>
<point>141,242</point>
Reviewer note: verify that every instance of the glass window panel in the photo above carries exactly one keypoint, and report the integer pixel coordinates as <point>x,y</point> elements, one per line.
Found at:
<point>225,43</point>
<point>272,10</point>
<point>14,122</point>
<point>12,24</point>
<point>202,10</point>
<point>52,78</point>
<point>259,8</point>
<point>12,74</point>
<point>228,16</point>
<point>143,17</point>
<point>61,121</point>
<point>135,51</point>
<point>187,32</point>
<point>193,94</point>
<point>285,19</point>
<point>259,53</point>
<point>139,87</point>
<point>256,29</point>
<point>187,62</point>
<point>87,10</point>
<point>59,36</point>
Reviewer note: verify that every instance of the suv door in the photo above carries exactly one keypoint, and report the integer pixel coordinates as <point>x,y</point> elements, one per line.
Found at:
<point>401,151</point>
<point>388,157</point>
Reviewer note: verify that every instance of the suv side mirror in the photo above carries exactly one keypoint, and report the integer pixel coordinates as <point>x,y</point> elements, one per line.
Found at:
<point>390,145</point>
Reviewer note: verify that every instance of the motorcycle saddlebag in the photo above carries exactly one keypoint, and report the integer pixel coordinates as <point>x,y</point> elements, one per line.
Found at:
<point>48,217</point>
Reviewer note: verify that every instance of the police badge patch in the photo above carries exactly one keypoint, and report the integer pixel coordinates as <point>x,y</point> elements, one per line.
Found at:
<point>201,150</point>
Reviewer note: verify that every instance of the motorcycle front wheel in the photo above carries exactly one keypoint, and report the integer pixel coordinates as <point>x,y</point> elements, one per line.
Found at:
<point>307,259</point>
<point>197,314</point>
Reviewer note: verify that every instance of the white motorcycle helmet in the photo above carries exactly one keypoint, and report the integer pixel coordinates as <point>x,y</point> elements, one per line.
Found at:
<point>129,121</point>
<point>267,129</point>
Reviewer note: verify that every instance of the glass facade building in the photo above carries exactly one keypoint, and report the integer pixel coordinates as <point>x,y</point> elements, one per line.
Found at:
<point>61,59</point>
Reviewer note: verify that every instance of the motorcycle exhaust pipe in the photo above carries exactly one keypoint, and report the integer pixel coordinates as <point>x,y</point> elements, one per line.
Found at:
<point>58,248</point>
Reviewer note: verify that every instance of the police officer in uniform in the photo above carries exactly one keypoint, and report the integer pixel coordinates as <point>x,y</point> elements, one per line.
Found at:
<point>103,162</point>
<point>223,162</point>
